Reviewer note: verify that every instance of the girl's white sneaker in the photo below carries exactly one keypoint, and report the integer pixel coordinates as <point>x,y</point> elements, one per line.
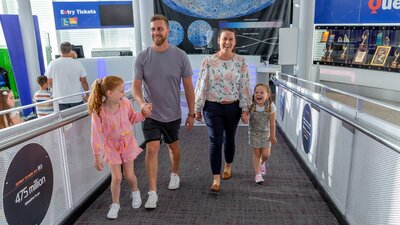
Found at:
<point>113,212</point>
<point>136,199</point>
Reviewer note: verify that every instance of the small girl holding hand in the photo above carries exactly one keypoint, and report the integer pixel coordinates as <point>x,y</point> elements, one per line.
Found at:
<point>112,135</point>
<point>261,128</point>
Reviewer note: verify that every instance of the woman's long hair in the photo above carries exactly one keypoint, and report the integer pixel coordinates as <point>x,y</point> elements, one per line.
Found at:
<point>99,90</point>
<point>5,119</point>
<point>253,106</point>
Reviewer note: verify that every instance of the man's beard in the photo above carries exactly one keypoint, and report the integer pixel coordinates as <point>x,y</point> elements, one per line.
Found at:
<point>160,41</point>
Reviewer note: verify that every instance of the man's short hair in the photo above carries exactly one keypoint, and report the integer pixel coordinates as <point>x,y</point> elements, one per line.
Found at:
<point>160,17</point>
<point>65,47</point>
<point>41,80</point>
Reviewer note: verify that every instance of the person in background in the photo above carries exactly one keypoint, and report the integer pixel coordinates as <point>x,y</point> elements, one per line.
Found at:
<point>262,129</point>
<point>112,137</point>
<point>223,93</point>
<point>66,76</point>
<point>161,69</point>
<point>7,101</point>
<point>43,94</point>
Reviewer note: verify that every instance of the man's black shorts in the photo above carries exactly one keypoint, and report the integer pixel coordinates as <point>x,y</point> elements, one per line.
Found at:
<point>153,129</point>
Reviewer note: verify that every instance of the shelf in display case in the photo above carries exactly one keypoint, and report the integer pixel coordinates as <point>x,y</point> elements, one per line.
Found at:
<point>366,47</point>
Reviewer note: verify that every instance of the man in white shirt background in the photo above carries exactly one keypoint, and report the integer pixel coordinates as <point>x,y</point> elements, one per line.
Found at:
<point>66,77</point>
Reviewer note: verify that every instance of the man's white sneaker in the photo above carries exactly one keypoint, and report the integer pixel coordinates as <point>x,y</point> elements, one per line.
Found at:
<point>113,212</point>
<point>174,182</point>
<point>136,199</point>
<point>152,200</point>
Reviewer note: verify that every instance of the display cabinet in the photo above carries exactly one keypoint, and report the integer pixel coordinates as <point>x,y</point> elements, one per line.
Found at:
<point>367,47</point>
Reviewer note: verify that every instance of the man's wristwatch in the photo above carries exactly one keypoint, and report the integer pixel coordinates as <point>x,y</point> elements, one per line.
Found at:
<point>191,115</point>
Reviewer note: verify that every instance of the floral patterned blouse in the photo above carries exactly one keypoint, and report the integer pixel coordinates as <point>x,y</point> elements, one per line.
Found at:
<point>223,80</point>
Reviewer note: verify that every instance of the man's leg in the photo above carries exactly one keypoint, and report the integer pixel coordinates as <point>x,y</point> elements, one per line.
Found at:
<point>151,162</point>
<point>174,156</point>
<point>152,136</point>
<point>170,132</point>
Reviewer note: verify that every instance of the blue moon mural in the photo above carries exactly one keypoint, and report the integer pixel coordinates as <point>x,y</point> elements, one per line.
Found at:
<point>223,9</point>
<point>176,33</point>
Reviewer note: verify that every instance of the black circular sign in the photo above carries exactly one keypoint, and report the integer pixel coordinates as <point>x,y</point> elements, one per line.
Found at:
<point>28,186</point>
<point>306,128</point>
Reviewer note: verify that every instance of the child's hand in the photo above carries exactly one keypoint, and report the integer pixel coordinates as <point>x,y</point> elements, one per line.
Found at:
<point>146,109</point>
<point>245,117</point>
<point>98,163</point>
<point>273,140</point>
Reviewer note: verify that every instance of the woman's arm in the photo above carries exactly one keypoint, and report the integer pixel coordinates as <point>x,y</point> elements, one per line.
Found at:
<point>245,98</point>
<point>201,88</point>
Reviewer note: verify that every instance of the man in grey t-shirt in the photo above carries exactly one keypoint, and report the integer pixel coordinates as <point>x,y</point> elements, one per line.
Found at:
<point>161,69</point>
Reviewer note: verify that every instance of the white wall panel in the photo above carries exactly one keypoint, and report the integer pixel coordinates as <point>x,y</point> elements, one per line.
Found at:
<point>375,183</point>
<point>83,175</point>
<point>291,114</point>
<point>333,157</point>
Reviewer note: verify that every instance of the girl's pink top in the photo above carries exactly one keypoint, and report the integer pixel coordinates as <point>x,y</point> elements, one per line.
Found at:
<point>114,131</point>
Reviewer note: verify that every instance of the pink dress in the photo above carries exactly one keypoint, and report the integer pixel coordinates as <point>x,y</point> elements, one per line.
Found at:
<point>112,133</point>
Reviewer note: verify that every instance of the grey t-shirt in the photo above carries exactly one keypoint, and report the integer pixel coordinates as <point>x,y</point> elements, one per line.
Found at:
<point>162,73</point>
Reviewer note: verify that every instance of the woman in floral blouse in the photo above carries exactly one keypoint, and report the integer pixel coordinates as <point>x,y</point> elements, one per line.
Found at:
<point>223,92</point>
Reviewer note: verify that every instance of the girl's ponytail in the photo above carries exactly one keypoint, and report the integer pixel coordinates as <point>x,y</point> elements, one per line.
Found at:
<point>96,97</point>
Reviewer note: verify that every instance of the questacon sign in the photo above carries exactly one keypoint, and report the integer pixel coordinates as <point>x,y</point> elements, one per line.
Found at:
<point>357,12</point>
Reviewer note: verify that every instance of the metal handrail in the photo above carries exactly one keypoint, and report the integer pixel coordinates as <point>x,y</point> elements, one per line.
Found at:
<point>22,137</point>
<point>343,92</point>
<point>370,131</point>
<point>57,123</point>
<point>19,108</point>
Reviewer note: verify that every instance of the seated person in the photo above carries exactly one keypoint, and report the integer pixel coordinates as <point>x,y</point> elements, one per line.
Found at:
<point>7,102</point>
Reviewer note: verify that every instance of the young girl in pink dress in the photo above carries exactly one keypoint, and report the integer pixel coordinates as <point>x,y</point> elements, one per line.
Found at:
<point>112,136</point>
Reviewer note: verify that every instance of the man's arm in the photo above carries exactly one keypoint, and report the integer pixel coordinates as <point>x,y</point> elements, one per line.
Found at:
<point>50,81</point>
<point>189,93</point>
<point>85,87</point>
<point>145,108</point>
<point>137,92</point>
<point>84,83</point>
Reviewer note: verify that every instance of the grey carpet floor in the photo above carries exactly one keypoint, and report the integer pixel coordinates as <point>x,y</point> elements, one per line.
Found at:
<point>287,196</point>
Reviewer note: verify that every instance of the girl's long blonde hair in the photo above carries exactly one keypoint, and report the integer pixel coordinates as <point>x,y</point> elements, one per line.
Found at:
<point>5,118</point>
<point>269,108</point>
<point>99,90</point>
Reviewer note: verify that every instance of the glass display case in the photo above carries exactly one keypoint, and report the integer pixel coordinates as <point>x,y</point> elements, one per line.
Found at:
<point>367,47</point>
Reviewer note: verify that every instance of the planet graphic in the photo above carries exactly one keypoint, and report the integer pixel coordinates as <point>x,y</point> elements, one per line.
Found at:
<point>176,33</point>
<point>222,9</point>
<point>198,33</point>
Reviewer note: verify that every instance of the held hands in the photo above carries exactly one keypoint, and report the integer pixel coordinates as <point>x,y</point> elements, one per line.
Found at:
<point>146,109</point>
<point>189,121</point>
<point>245,117</point>
<point>98,163</point>
<point>273,140</point>
<point>198,116</point>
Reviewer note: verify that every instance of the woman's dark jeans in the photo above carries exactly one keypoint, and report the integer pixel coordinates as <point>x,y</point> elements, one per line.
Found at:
<point>222,121</point>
